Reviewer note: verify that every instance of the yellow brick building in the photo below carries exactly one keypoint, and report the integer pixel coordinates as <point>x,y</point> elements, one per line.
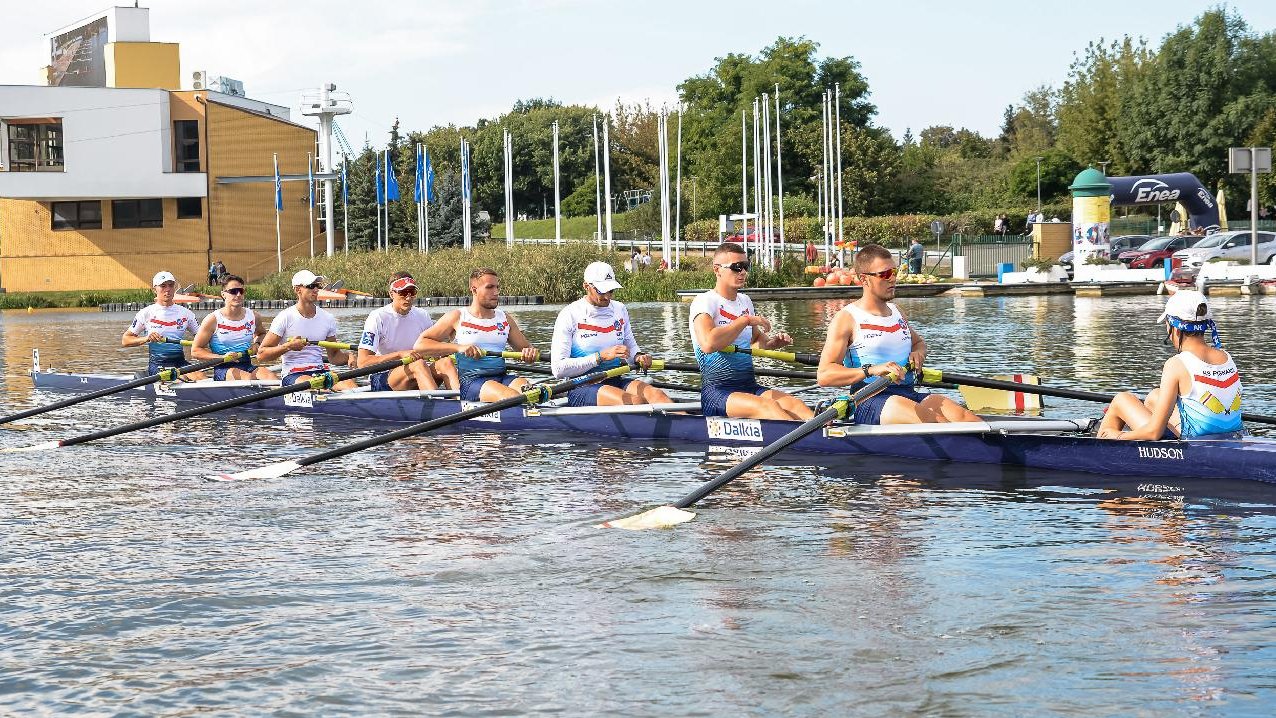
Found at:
<point>115,173</point>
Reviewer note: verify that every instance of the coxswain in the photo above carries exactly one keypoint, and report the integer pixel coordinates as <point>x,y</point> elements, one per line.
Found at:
<point>163,325</point>
<point>390,332</point>
<point>233,328</point>
<point>1200,392</point>
<point>471,333</point>
<point>722,317</point>
<point>293,333</point>
<point>870,338</point>
<point>594,333</point>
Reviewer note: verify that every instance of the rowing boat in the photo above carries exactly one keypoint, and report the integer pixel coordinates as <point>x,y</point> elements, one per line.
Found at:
<point>1052,444</point>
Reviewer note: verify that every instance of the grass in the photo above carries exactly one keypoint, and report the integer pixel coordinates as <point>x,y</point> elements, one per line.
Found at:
<point>46,300</point>
<point>573,227</point>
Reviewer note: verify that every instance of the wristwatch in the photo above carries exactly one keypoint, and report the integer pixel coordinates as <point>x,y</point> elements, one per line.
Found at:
<point>866,367</point>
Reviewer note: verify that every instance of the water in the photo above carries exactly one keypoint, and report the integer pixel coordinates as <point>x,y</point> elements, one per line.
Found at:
<point>461,575</point>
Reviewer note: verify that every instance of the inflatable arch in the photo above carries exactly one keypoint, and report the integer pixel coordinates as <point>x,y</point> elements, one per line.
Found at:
<point>1181,187</point>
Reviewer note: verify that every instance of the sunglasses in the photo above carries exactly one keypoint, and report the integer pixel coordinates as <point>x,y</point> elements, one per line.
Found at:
<point>887,274</point>
<point>409,292</point>
<point>234,290</point>
<point>315,285</point>
<point>735,266</point>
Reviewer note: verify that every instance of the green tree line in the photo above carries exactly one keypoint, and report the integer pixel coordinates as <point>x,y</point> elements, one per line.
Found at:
<point>1125,105</point>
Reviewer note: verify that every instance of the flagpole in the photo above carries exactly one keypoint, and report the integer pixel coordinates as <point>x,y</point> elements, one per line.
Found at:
<point>279,241</point>
<point>598,189</point>
<point>768,202</point>
<point>837,100</point>
<point>378,195</point>
<point>677,222</point>
<point>744,180</point>
<point>311,182</point>
<point>345,208</point>
<point>465,194</point>
<point>429,183</point>
<point>558,214</point>
<point>607,177</point>
<point>507,152</point>
<point>386,179</point>
<point>779,168</point>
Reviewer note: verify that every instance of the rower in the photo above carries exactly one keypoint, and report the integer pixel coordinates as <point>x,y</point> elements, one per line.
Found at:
<point>722,317</point>
<point>1200,392</point>
<point>594,333</point>
<point>472,332</point>
<point>163,325</point>
<point>390,333</point>
<point>869,338</point>
<point>304,323</point>
<point>233,328</point>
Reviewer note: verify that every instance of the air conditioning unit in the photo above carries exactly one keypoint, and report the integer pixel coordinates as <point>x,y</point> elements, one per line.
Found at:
<point>199,80</point>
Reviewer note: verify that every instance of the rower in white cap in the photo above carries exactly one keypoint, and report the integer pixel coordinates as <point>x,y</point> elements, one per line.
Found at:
<point>163,325</point>
<point>295,328</point>
<point>594,333</point>
<point>1200,392</point>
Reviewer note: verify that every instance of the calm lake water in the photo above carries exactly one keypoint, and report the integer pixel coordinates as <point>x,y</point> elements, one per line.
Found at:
<point>460,574</point>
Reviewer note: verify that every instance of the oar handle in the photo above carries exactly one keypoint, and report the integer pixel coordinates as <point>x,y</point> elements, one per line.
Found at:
<point>343,346</point>
<point>791,357</point>
<point>778,373</point>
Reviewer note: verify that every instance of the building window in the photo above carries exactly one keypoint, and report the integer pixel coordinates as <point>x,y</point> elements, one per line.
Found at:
<point>135,213</point>
<point>190,208</point>
<point>77,215</point>
<point>186,145</point>
<point>35,146</point>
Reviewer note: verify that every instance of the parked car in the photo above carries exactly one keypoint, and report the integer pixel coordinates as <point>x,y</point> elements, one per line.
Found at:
<point>1119,245</point>
<point>1157,252</point>
<point>1227,245</point>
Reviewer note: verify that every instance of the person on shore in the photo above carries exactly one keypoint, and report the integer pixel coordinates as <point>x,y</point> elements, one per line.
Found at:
<point>722,317</point>
<point>870,338</point>
<point>233,328</point>
<point>390,332</point>
<point>916,256</point>
<point>162,326</point>
<point>471,333</point>
<point>1200,391</point>
<point>594,333</point>
<point>295,330</point>
<point>212,273</point>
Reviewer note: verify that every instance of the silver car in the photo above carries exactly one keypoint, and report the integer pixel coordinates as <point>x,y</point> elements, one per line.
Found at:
<point>1233,246</point>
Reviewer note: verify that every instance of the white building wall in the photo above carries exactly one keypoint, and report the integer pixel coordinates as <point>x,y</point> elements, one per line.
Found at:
<point>117,143</point>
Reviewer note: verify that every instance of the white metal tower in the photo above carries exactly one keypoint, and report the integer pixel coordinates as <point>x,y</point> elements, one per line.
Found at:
<point>326,103</point>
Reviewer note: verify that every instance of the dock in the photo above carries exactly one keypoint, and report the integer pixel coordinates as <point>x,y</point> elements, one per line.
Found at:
<point>352,303</point>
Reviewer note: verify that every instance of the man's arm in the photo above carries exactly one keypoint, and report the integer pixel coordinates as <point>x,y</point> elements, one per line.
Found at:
<point>519,341</point>
<point>199,348</point>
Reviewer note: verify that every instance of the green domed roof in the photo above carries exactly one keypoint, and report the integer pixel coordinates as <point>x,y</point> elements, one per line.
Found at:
<point>1090,183</point>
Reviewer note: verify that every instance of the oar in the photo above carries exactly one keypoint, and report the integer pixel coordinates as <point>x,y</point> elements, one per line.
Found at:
<point>320,381</point>
<point>779,373</point>
<point>658,384</point>
<point>666,516</point>
<point>169,374</point>
<point>535,395</point>
<point>931,376</point>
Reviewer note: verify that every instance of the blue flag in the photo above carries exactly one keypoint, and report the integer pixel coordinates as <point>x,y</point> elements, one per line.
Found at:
<point>279,189</point>
<point>310,181</point>
<point>377,182</point>
<point>429,178</point>
<point>391,181</point>
<point>345,185</point>
<point>465,171</point>
<point>419,189</point>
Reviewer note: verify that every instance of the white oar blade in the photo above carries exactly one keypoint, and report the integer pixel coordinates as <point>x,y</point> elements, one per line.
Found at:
<point>33,447</point>
<point>662,517</point>
<point>271,471</point>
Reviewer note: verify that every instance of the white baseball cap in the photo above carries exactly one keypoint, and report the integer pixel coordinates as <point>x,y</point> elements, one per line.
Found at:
<point>1187,305</point>
<point>305,278</point>
<point>602,277</point>
<point>162,277</point>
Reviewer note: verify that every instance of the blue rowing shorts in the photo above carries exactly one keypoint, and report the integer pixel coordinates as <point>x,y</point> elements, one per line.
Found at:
<point>160,363</point>
<point>587,395</point>
<point>869,411</point>
<point>713,397</point>
<point>472,385</point>
<point>380,381</point>
<point>245,364</point>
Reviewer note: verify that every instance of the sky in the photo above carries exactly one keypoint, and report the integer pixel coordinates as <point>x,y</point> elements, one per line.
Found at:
<point>436,62</point>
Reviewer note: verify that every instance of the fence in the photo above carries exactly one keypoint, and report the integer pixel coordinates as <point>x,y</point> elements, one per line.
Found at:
<point>984,253</point>
<point>1122,226</point>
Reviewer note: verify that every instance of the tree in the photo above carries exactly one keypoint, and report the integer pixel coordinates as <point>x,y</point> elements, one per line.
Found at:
<point>1099,87</point>
<point>1058,170</point>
